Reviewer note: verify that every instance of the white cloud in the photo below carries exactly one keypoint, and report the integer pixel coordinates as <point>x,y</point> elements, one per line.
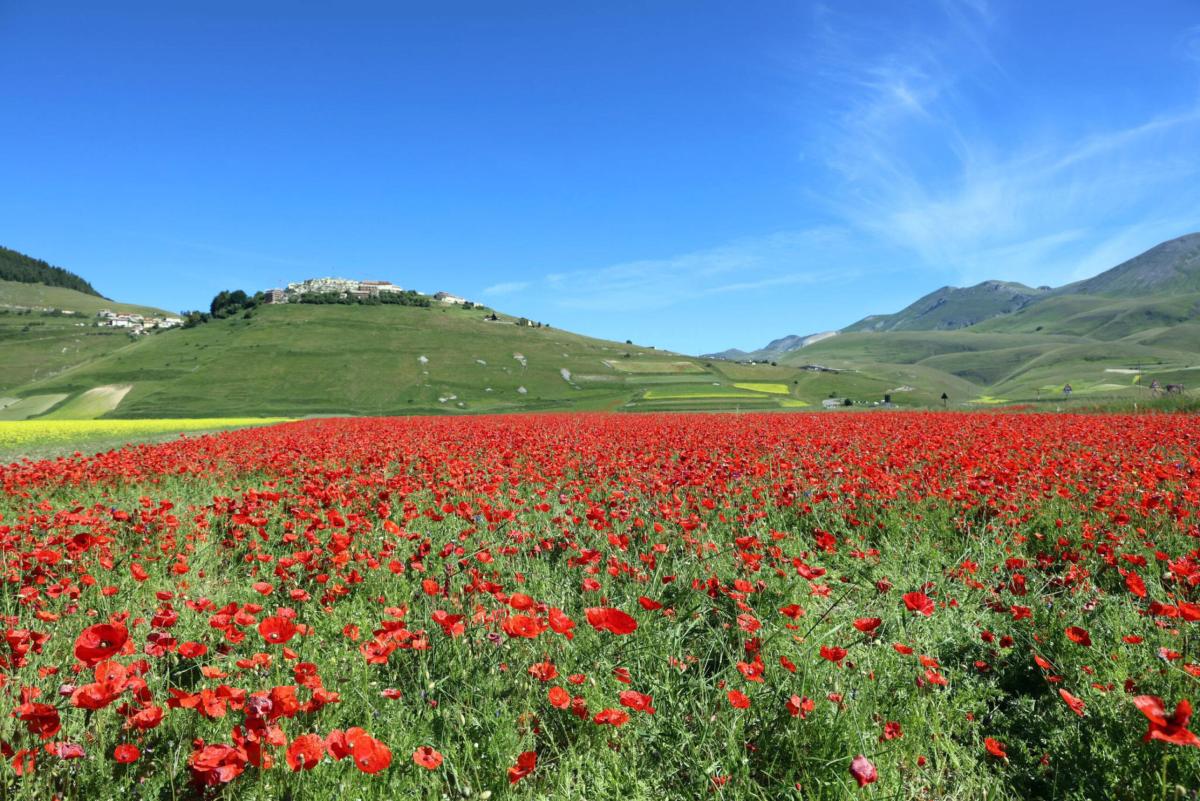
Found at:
<point>506,288</point>
<point>781,259</point>
<point>911,168</point>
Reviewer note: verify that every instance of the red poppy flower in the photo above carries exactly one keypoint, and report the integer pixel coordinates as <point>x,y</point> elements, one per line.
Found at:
<point>336,744</point>
<point>192,650</point>
<point>276,630</point>
<point>526,763</point>
<point>560,622</point>
<point>1170,729</point>
<point>126,753</point>
<point>520,601</point>
<point>863,771</point>
<point>522,626</point>
<point>559,698</point>
<point>543,671</point>
<point>65,750</point>
<point>304,752</point>
<point>794,611</point>
<point>611,620</point>
<point>218,764</point>
<point>1075,704</point>
<point>97,643</point>
<point>1078,636</point>
<point>427,757</point>
<point>613,717</point>
<point>738,699</point>
<point>918,603</point>
<point>1135,584</point>
<point>40,719</point>
<point>369,754</point>
<point>833,654</point>
<point>639,702</point>
<point>867,624</point>
<point>995,748</point>
<point>797,706</point>
<point>452,625</point>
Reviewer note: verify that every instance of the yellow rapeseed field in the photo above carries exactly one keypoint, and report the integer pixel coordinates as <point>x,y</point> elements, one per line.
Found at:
<point>27,433</point>
<point>773,389</point>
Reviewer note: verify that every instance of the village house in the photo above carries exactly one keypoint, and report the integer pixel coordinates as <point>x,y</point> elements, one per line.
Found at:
<point>135,323</point>
<point>446,297</point>
<point>374,288</point>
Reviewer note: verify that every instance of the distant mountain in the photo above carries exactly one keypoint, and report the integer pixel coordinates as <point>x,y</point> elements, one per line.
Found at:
<point>1142,293</point>
<point>1173,266</point>
<point>950,308</point>
<point>24,269</point>
<point>775,347</point>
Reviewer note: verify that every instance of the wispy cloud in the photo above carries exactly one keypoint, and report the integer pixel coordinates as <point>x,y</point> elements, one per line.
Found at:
<point>781,259</point>
<point>506,288</point>
<point>912,167</point>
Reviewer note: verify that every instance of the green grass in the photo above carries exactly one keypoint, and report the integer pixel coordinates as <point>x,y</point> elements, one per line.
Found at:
<point>711,392</point>
<point>36,345</point>
<point>93,403</point>
<point>623,365</point>
<point>31,406</point>
<point>40,296</point>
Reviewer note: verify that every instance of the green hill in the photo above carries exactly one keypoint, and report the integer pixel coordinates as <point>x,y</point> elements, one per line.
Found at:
<point>19,268</point>
<point>1110,336</point>
<point>993,343</point>
<point>302,359</point>
<point>951,308</point>
<point>1173,266</point>
<point>45,330</point>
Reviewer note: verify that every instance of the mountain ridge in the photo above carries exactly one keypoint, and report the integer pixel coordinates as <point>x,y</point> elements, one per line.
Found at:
<point>1170,267</point>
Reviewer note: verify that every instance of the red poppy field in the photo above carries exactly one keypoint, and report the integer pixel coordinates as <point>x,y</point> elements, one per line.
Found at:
<point>894,605</point>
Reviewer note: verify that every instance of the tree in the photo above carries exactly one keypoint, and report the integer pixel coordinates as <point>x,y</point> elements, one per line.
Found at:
<point>24,269</point>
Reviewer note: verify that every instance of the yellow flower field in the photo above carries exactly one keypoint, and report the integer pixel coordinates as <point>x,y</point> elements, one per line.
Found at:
<point>773,389</point>
<point>25,433</point>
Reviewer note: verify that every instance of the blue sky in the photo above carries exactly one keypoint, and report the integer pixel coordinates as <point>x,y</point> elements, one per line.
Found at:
<point>693,175</point>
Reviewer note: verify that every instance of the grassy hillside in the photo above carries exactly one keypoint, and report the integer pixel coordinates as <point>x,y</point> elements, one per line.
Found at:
<point>1170,267</point>
<point>18,267</point>
<point>331,360</point>
<point>298,360</point>
<point>40,297</point>
<point>37,343</point>
<point>951,308</point>
<point>1099,317</point>
<point>987,368</point>
<point>991,344</point>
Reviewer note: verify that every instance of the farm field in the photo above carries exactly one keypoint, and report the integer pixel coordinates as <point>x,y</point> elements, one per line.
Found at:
<point>32,438</point>
<point>759,606</point>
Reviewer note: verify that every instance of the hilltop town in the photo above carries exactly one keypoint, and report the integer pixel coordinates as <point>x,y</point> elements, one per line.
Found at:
<point>352,289</point>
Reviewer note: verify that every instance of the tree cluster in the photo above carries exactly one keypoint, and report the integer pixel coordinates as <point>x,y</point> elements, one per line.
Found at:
<point>406,298</point>
<point>24,269</point>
